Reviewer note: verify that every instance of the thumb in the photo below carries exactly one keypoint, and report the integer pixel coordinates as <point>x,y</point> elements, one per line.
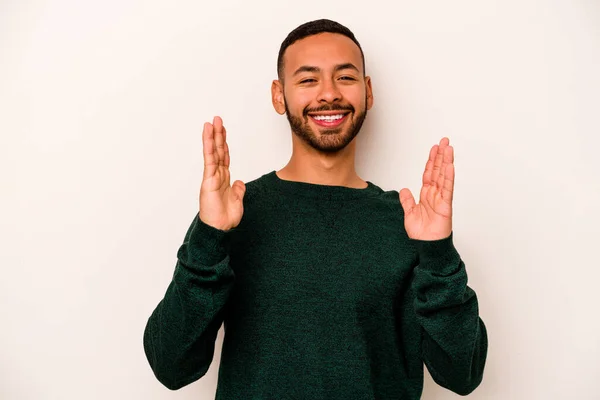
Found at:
<point>239,189</point>
<point>407,200</point>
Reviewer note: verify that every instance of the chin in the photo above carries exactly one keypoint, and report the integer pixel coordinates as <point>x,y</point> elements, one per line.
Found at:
<point>331,141</point>
<point>325,140</point>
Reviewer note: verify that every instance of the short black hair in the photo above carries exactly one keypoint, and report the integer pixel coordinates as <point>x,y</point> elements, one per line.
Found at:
<point>314,28</point>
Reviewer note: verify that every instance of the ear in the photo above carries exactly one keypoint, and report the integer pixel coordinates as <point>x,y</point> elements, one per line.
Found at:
<point>369,92</point>
<point>277,97</point>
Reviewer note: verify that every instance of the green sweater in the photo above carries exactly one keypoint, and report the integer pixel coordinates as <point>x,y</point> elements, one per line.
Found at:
<point>323,296</point>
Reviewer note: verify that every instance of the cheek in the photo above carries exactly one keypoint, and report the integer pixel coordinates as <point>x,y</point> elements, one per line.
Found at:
<point>297,102</point>
<point>356,96</point>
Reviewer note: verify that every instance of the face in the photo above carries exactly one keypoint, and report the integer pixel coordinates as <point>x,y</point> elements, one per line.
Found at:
<point>323,91</point>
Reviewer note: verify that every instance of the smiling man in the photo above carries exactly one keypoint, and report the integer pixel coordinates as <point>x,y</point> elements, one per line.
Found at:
<point>328,286</point>
<point>323,90</point>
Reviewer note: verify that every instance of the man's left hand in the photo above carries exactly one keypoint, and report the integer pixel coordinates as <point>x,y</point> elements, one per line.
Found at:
<point>431,219</point>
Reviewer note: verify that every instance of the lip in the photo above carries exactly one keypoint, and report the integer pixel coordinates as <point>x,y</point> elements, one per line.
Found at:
<point>329,124</point>
<point>332,112</point>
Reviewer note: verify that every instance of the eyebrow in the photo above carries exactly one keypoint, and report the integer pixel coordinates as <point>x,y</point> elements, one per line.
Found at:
<point>339,67</point>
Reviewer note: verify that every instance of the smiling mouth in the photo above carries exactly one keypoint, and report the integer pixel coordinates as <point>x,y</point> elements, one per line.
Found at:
<point>330,120</point>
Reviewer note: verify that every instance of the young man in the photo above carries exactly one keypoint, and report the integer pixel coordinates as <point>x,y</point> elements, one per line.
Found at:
<point>328,286</point>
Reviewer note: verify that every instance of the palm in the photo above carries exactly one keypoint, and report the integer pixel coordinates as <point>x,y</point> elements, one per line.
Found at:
<point>224,204</point>
<point>431,218</point>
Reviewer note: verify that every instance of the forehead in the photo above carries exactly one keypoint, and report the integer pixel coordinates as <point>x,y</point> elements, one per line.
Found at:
<point>323,50</point>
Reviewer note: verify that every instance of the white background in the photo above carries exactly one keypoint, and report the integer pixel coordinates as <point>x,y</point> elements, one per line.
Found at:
<point>101,109</point>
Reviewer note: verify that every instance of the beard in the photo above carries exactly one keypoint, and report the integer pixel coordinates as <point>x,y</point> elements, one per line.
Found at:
<point>329,140</point>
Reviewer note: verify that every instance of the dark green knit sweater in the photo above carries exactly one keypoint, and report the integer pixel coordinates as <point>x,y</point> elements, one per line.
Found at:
<point>323,296</point>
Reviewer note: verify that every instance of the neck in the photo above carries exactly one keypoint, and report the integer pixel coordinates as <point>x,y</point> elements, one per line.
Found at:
<point>311,166</point>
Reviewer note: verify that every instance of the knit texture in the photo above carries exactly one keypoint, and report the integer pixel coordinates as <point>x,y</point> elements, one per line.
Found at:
<point>323,296</point>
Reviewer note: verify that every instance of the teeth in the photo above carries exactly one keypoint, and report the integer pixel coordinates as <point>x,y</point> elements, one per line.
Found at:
<point>328,118</point>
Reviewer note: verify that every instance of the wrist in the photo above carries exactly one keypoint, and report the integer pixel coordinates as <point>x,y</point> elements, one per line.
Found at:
<point>438,255</point>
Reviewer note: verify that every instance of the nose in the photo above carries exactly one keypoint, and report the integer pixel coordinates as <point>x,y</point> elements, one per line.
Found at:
<point>329,92</point>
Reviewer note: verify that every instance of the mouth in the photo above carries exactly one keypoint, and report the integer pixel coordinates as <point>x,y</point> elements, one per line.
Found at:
<point>329,120</point>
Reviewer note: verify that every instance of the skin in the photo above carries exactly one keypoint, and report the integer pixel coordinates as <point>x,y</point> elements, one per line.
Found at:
<point>323,74</point>
<point>326,86</point>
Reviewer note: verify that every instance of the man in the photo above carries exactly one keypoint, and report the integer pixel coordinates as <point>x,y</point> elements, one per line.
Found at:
<point>328,286</point>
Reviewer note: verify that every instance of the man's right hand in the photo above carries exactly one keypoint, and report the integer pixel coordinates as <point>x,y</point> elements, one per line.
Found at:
<point>221,204</point>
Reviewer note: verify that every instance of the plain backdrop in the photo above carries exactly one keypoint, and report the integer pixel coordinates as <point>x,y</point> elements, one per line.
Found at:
<point>101,110</point>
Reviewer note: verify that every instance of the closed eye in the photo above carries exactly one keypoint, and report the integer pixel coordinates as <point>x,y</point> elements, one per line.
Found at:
<point>309,80</point>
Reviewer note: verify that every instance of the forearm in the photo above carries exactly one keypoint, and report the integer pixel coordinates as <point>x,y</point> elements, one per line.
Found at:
<point>454,344</point>
<point>180,334</point>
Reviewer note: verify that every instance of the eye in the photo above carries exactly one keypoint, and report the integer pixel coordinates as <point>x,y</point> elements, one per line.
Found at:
<point>347,78</point>
<point>308,80</point>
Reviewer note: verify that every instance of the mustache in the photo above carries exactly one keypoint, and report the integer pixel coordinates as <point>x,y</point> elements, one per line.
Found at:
<point>325,107</point>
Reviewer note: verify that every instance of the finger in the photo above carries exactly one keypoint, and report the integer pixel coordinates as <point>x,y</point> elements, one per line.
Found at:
<point>439,157</point>
<point>226,148</point>
<point>429,166</point>
<point>447,158</point>
<point>407,201</point>
<point>219,140</point>
<point>448,185</point>
<point>208,146</point>
<point>448,189</point>
<point>239,188</point>
<point>440,178</point>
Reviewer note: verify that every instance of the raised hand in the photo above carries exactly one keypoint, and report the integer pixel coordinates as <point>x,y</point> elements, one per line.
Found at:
<point>431,219</point>
<point>221,204</point>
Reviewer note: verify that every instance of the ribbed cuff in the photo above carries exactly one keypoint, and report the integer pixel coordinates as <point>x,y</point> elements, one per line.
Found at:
<point>438,255</point>
<point>206,244</point>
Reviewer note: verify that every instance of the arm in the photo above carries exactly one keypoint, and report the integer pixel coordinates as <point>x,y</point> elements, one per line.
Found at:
<point>180,335</point>
<point>454,345</point>
<point>179,338</point>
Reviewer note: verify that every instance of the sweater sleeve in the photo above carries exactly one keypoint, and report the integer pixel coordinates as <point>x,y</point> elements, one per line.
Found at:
<point>454,346</point>
<point>179,337</point>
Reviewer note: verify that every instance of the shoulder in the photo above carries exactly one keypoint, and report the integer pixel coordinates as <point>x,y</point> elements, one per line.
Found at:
<point>389,199</point>
<point>257,187</point>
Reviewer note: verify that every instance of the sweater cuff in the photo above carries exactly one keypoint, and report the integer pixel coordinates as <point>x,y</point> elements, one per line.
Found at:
<point>438,255</point>
<point>206,244</point>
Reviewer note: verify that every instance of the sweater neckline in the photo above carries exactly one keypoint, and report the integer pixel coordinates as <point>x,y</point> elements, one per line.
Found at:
<point>330,192</point>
